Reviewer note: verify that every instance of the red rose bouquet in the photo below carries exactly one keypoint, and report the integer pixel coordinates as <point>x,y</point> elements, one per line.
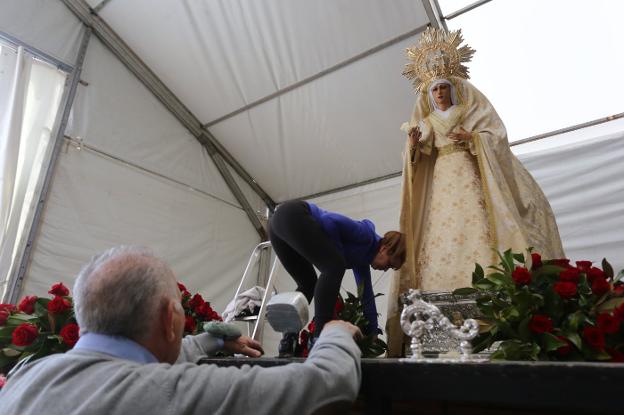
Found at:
<point>197,311</point>
<point>37,327</point>
<point>538,309</point>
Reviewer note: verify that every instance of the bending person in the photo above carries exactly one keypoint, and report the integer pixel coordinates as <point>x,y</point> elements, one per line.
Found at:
<point>305,236</point>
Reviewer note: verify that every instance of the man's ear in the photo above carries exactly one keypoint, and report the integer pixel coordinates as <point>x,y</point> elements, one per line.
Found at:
<point>168,314</point>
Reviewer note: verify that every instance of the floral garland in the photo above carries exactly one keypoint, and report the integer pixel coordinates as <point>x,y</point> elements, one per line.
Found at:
<point>536,309</point>
<point>38,327</point>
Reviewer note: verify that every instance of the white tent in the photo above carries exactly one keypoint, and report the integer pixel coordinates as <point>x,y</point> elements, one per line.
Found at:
<point>181,122</point>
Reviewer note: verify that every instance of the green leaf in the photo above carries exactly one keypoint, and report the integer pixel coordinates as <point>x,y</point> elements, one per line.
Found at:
<point>575,339</point>
<point>464,291</point>
<point>499,279</point>
<point>610,305</point>
<point>551,342</point>
<point>19,318</point>
<point>523,329</point>
<point>484,284</point>
<point>607,268</point>
<point>574,320</point>
<point>478,274</point>
<point>519,258</point>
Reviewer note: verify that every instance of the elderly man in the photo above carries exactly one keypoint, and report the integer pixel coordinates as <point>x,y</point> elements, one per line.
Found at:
<point>132,359</point>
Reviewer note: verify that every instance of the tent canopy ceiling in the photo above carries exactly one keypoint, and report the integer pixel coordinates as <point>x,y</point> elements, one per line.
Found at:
<point>334,128</point>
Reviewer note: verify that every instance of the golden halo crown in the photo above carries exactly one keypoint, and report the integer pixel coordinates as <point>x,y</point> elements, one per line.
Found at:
<point>437,55</point>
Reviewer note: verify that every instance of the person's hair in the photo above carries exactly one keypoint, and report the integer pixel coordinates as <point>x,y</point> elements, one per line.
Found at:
<point>396,248</point>
<point>121,292</point>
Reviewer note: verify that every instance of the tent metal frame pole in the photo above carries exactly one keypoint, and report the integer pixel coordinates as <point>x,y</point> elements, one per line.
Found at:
<point>13,41</point>
<point>465,9</point>
<point>134,63</point>
<point>320,74</point>
<point>24,251</point>
<point>432,7</point>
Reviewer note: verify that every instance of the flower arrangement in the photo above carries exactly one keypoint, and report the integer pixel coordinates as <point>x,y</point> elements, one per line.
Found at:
<point>350,309</point>
<point>37,327</point>
<point>197,311</point>
<point>549,310</point>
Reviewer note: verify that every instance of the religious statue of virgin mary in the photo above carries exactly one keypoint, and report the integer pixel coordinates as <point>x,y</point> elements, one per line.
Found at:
<point>464,194</point>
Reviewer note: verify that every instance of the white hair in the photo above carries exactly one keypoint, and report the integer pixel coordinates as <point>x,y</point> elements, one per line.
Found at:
<point>121,291</point>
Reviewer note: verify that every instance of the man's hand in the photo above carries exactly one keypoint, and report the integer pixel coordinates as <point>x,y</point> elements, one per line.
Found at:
<point>354,330</point>
<point>244,345</point>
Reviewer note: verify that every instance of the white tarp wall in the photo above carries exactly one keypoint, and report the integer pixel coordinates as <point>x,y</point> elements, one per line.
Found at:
<point>131,174</point>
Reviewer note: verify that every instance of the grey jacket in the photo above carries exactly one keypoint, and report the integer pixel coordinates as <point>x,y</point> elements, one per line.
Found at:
<point>86,382</point>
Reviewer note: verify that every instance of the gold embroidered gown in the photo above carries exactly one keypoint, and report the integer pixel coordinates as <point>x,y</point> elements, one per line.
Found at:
<point>455,232</point>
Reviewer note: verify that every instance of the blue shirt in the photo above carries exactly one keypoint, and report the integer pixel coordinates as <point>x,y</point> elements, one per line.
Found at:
<point>358,243</point>
<point>118,346</point>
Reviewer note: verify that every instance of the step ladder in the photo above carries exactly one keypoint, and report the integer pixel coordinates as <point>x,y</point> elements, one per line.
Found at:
<point>257,321</point>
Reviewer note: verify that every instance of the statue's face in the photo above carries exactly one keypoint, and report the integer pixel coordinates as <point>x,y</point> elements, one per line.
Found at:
<point>442,95</point>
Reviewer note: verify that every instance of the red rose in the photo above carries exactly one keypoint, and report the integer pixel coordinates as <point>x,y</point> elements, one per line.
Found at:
<point>9,308</point>
<point>562,262</point>
<point>521,276</point>
<point>190,324</point>
<point>536,260</point>
<point>569,274</point>
<point>594,273</point>
<point>618,289</point>
<point>311,327</point>
<point>608,323</point>
<point>70,334</point>
<point>565,289</point>
<point>2,381</point>
<point>594,337</point>
<point>4,316</point>
<point>338,307</point>
<point>24,334</point>
<point>196,301</point>
<point>27,305</point>
<point>206,312</point>
<point>303,341</point>
<point>619,312</point>
<point>600,286</point>
<point>540,324</point>
<point>565,349</point>
<point>583,265</point>
<point>58,305</point>
<point>185,295</point>
<point>59,289</point>
<point>181,287</point>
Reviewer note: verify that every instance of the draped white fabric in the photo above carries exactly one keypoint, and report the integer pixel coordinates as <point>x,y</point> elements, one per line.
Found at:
<point>14,74</point>
<point>27,121</point>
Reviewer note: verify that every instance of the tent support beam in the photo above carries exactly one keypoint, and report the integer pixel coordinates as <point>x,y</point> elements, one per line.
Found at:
<point>132,61</point>
<point>432,8</point>
<point>318,75</point>
<point>14,284</point>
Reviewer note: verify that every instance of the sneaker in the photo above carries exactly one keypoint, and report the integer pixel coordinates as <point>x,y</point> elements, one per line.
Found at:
<point>287,345</point>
